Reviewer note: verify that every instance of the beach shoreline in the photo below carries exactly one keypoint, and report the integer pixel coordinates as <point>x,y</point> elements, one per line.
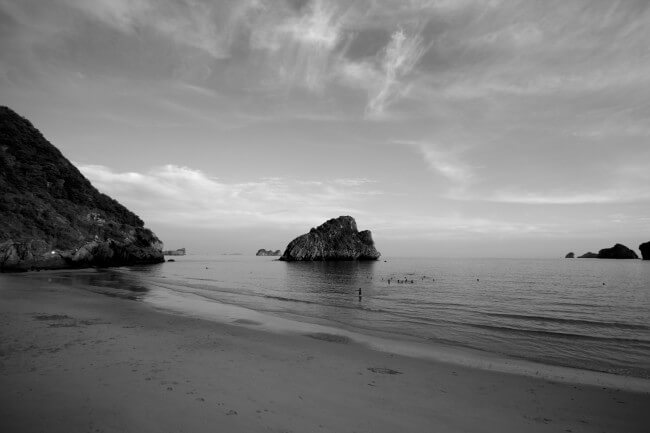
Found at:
<point>209,309</point>
<point>73,360</point>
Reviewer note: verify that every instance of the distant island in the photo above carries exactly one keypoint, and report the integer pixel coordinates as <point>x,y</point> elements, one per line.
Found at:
<point>263,252</point>
<point>335,239</point>
<point>645,250</point>
<point>178,252</point>
<point>569,256</point>
<point>51,217</point>
<point>618,251</point>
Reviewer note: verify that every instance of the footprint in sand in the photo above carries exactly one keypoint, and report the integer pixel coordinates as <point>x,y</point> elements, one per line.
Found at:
<point>382,370</point>
<point>246,322</point>
<point>332,338</point>
<point>51,317</point>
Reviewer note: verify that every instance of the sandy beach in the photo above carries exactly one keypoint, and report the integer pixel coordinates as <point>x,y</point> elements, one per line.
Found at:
<point>76,361</point>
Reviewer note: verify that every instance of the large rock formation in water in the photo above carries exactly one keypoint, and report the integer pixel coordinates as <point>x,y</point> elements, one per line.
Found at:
<point>618,251</point>
<point>645,250</point>
<point>52,217</point>
<point>263,252</point>
<point>336,239</point>
<point>569,256</point>
<point>589,255</point>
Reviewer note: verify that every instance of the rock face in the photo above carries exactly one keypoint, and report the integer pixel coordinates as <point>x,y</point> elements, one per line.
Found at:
<point>645,250</point>
<point>336,239</point>
<point>618,251</point>
<point>263,252</point>
<point>569,256</point>
<point>589,255</point>
<point>52,217</point>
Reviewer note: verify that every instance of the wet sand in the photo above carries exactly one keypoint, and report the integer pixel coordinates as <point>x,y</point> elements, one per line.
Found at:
<point>73,360</point>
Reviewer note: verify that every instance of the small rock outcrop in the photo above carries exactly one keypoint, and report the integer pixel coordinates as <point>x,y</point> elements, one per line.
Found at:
<point>645,250</point>
<point>618,251</point>
<point>589,255</point>
<point>336,239</point>
<point>263,252</point>
<point>569,256</point>
<point>51,216</point>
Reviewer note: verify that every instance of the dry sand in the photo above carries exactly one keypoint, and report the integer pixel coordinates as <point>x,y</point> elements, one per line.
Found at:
<point>76,361</point>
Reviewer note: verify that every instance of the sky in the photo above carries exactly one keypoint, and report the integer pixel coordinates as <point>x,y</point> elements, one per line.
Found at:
<point>449,128</point>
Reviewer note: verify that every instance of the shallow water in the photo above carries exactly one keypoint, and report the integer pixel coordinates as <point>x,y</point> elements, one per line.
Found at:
<point>585,313</point>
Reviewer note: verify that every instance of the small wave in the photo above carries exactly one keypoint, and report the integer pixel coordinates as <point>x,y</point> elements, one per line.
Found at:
<point>570,321</point>
<point>201,279</point>
<point>434,303</point>
<point>573,304</point>
<point>282,298</point>
<point>563,335</point>
<point>304,301</point>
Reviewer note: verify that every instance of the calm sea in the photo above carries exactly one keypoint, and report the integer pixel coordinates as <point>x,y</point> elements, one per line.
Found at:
<point>586,313</point>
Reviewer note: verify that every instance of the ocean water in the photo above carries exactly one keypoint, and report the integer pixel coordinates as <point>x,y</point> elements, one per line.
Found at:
<point>585,313</point>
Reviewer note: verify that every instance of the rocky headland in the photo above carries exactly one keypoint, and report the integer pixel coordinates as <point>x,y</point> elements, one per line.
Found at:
<point>569,256</point>
<point>618,251</point>
<point>336,239</point>
<point>263,252</point>
<point>51,216</point>
<point>645,250</point>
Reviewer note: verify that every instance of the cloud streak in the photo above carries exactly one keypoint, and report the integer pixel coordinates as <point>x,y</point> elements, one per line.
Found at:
<point>189,23</point>
<point>385,77</point>
<point>400,57</point>
<point>279,45</point>
<point>597,197</point>
<point>301,46</point>
<point>446,163</point>
<point>181,196</point>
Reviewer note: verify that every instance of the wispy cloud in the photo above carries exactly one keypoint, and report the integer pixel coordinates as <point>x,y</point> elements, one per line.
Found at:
<point>192,23</point>
<point>384,78</point>
<point>300,45</point>
<point>446,162</point>
<point>400,57</point>
<point>518,36</point>
<point>122,14</point>
<point>277,45</point>
<point>454,225</point>
<point>597,197</point>
<point>625,184</point>
<point>180,196</point>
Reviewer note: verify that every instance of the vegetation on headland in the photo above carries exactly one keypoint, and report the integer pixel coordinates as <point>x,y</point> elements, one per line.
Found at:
<point>45,198</point>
